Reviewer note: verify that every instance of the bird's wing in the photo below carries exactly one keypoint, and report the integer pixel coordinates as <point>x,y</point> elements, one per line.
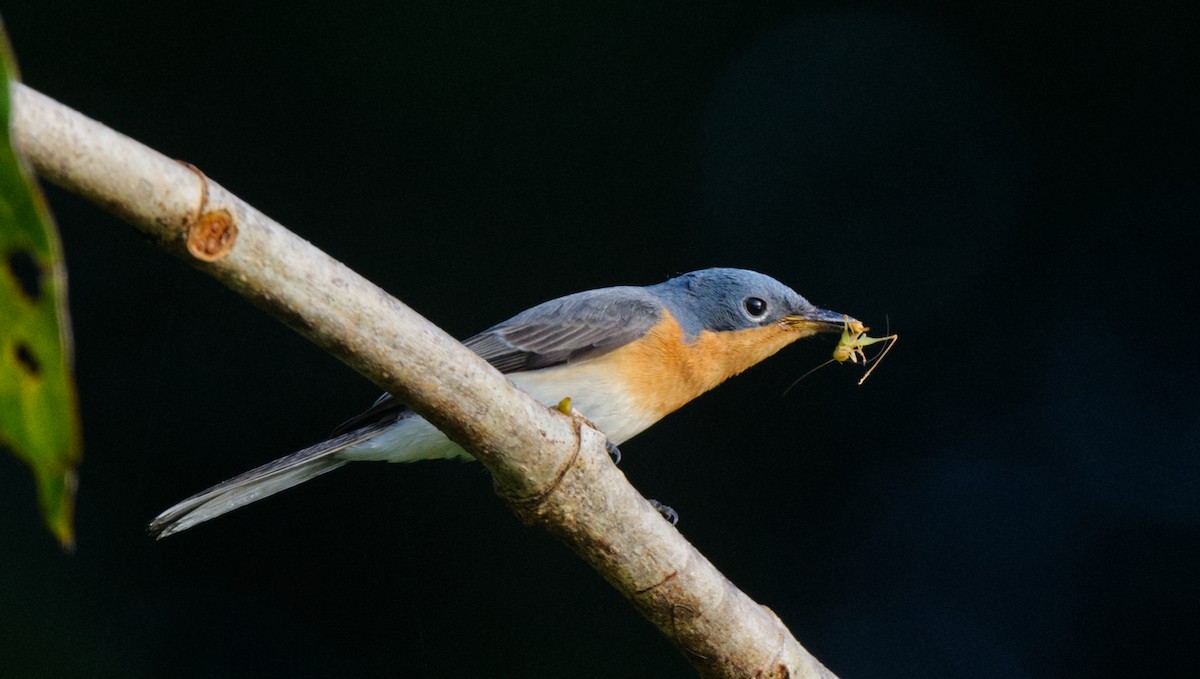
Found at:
<point>565,330</point>
<point>568,330</point>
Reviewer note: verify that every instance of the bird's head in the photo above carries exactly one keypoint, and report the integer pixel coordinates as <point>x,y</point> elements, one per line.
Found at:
<point>731,300</point>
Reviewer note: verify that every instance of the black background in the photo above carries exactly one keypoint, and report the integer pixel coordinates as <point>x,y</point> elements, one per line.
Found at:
<point>1014,493</point>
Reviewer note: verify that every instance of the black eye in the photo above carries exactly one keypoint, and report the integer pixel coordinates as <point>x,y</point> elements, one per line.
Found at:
<point>756,307</point>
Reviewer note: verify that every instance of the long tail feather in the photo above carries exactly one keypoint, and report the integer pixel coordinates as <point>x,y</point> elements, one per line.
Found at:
<point>260,482</point>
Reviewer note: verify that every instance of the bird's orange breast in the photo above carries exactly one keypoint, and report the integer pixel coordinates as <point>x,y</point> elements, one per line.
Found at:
<point>662,371</point>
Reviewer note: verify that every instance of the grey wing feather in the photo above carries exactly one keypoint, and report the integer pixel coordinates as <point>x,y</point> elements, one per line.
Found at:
<point>565,330</point>
<point>569,329</point>
<point>385,410</point>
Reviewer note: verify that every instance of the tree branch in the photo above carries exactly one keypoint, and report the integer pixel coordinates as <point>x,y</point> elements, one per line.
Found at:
<point>550,469</point>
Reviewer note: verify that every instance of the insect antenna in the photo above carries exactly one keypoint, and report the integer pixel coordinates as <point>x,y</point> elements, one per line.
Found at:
<point>802,377</point>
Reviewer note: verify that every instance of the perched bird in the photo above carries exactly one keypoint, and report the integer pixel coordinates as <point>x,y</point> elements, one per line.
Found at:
<point>626,356</point>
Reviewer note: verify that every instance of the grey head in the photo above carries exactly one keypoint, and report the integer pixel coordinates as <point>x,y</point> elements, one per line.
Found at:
<point>723,299</point>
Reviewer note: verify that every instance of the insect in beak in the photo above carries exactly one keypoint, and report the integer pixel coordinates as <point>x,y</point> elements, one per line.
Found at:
<point>850,346</point>
<point>854,338</point>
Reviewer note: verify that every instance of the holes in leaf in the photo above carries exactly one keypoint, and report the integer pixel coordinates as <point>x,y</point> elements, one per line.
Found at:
<point>28,359</point>
<point>28,273</point>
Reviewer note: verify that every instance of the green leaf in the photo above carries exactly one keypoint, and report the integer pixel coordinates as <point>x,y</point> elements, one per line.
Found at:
<point>39,421</point>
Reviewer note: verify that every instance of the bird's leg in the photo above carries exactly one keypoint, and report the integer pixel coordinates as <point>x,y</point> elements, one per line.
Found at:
<point>667,513</point>
<point>564,407</point>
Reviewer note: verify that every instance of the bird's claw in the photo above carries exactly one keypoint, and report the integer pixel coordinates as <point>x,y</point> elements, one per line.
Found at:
<point>667,513</point>
<point>613,451</point>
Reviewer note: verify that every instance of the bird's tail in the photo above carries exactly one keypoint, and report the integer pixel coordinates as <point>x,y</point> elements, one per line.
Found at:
<point>260,482</point>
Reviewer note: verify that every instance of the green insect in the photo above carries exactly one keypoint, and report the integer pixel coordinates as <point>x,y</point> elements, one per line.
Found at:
<point>850,346</point>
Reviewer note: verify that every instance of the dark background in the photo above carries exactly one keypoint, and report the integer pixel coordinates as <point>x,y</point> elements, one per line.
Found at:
<point>1014,493</point>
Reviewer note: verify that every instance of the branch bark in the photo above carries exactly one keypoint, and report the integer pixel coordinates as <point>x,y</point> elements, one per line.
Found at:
<point>550,469</point>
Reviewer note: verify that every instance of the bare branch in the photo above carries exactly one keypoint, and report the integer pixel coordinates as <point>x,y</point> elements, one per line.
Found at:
<point>551,470</point>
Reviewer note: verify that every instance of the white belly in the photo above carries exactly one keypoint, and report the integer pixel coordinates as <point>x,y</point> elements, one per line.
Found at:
<point>602,401</point>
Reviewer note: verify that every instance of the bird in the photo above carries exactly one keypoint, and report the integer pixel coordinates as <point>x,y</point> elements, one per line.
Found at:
<point>626,356</point>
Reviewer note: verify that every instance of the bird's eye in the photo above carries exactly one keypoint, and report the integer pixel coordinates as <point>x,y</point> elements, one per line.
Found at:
<point>755,306</point>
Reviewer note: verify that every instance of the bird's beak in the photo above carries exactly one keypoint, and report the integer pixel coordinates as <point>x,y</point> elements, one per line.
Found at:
<point>819,320</point>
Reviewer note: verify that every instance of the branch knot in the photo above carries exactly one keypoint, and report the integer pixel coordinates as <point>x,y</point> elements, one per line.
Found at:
<point>210,233</point>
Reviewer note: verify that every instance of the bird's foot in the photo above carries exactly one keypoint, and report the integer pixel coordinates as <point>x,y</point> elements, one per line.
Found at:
<point>667,513</point>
